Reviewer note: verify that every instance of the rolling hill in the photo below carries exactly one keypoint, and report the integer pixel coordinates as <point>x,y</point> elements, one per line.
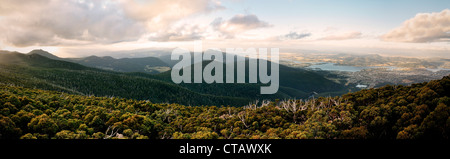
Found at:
<point>151,65</point>
<point>36,71</point>
<point>294,83</point>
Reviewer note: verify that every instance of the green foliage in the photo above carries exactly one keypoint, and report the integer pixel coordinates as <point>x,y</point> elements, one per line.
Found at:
<point>419,111</point>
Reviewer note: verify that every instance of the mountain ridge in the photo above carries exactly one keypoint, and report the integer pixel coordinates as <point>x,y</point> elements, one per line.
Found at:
<point>151,65</point>
<point>72,77</point>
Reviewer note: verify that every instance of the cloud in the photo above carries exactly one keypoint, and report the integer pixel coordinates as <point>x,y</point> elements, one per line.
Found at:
<point>343,36</point>
<point>159,14</point>
<point>71,22</point>
<point>52,22</point>
<point>424,27</point>
<point>294,36</point>
<point>217,28</point>
<point>184,32</point>
<point>238,24</point>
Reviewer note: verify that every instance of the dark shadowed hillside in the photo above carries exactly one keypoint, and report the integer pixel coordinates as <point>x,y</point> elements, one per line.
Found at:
<point>36,71</point>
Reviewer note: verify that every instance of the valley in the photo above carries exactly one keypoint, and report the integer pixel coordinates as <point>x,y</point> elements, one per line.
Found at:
<point>371,70</point>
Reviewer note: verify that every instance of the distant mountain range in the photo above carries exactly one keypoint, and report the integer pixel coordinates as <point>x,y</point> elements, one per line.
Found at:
<point>365,60</point>
<point>150,65</point>
<point>128,78</point>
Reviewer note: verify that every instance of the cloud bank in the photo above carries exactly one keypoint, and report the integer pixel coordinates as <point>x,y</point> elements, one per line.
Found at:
<point>424,27</point>
<point>158,14</point>
<point>69,22</point>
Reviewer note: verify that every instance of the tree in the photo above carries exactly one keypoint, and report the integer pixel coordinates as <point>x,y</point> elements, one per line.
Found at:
<point>436,124</point>
<point>8,128</point>
<point>43,124</point>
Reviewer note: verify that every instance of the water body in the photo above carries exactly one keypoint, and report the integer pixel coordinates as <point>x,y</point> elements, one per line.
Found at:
<point>361,86</point>
<point>334,67</point>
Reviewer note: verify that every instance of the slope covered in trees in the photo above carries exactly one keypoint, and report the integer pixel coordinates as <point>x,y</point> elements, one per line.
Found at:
<point>150,65</point>
<point>37,70</point>
<point>391,112</point>
<point>293,83</point>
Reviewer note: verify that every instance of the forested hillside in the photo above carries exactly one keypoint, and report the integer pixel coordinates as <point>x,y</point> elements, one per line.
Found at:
<point>36,71</point>
<point>151,65</point>
<point>391,112</point>
<point>293,83</point>
<point>39,69</point>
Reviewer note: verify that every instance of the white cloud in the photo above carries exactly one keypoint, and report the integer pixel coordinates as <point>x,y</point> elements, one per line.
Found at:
<point>51,22</point>
<point>159,14</point>
<point>238,24</point>
<point>424,27</point>
<point>69,22</point>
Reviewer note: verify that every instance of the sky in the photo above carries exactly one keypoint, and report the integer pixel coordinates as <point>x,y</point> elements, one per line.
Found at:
<point>75,28</point>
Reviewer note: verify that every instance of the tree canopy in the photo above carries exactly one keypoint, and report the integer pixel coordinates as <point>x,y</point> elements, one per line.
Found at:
<point>392,112</point>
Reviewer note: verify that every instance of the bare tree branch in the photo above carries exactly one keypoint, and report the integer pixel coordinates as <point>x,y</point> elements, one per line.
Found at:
<point>112,133</point>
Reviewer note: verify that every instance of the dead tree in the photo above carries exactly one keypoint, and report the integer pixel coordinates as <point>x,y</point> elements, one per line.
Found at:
<point>337,102</point>
<point>243,116</point>
<point>312,103</point>
<point>229,112</point>
<point>303,105</point>
<point>166,114</point>
<point>255,105</point>
<point>229,115</point>
<point>265,103</point>
<point>163,136</point>
<point>113,132</point>
<point>292,106</point>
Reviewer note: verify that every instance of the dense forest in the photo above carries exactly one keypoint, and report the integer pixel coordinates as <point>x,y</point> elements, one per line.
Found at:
<point>33,70</point>
<point>419,111</point>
